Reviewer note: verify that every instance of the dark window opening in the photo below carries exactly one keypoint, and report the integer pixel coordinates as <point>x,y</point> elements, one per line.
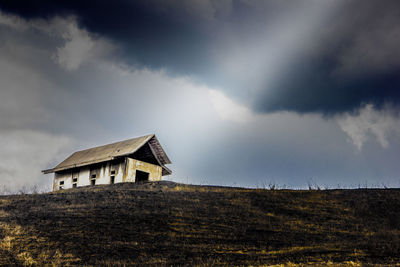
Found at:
<point>75,174</point>
<point>141,176</point>
<point>113,172</point>
<point>61,182</point>
<point>93,175</point>
<point>112,179</point>
<point>74,185</point>
<point>74,180</point>
<point>93,182</point>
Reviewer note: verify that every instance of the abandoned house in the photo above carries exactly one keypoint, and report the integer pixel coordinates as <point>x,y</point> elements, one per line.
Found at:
<point>134,160</point>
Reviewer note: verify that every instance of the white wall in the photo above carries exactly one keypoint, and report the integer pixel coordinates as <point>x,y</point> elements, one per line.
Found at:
<point>66,177</point>
<point>103,176</point>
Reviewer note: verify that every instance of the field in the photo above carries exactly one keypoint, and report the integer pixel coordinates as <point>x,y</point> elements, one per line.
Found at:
<point>164,223</point>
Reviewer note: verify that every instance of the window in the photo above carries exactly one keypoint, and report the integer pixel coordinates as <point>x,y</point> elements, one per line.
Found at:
<point>112,172</point>
<point>93,179</point>
<point>74,182</point>
<point>75,174</point>
<point>61,182</point>
<point>94,174</point>
<point>112,179</point>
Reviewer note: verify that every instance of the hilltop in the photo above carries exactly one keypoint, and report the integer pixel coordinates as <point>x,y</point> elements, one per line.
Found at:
<point>164,223</point>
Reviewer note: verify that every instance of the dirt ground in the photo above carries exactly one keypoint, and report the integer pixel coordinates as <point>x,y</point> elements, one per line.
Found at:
<point>164,223</point>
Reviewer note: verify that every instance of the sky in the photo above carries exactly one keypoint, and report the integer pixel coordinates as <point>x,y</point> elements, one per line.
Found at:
<point>239,92</point>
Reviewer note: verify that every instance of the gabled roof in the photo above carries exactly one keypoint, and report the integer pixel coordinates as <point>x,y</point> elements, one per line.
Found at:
<point>112,151</point>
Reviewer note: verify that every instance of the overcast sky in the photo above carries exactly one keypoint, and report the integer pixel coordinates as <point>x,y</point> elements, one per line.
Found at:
<point>239,93</point>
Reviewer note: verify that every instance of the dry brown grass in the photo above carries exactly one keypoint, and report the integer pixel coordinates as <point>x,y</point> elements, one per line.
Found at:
<point>163,223</point>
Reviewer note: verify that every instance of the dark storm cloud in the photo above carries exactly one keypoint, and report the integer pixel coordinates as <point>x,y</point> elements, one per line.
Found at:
<point>352,60</point>
<point>350,57</point>
<point>311,86</point>
<point>154,35</point>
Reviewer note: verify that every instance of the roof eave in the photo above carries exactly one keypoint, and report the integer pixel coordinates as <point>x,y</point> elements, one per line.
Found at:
<point>48,171</point>
<point>161,157</point>
<point>166,171</point>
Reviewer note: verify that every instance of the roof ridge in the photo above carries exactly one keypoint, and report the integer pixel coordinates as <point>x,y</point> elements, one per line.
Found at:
<point>147,135</point>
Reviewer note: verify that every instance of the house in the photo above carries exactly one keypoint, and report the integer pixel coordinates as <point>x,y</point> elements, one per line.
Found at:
<point>134,160</point>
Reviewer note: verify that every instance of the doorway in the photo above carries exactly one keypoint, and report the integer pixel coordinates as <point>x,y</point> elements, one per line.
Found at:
<point>141,176</point>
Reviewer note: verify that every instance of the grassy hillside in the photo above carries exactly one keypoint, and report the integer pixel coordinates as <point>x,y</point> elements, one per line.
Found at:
<point>164,223</point>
